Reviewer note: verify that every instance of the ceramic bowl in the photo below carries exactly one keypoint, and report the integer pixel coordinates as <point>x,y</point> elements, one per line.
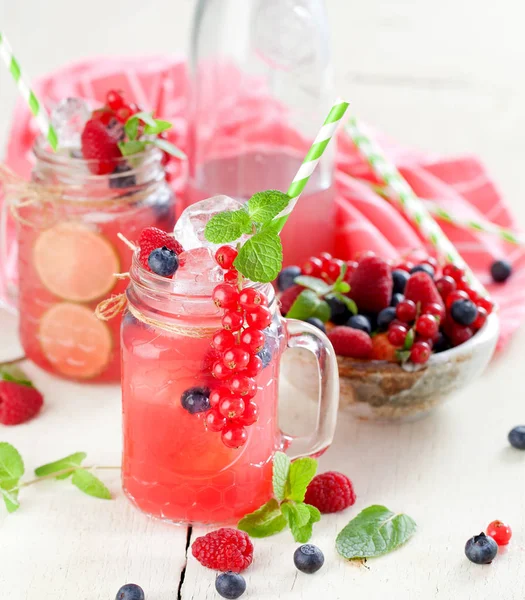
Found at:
<point>383,391</point>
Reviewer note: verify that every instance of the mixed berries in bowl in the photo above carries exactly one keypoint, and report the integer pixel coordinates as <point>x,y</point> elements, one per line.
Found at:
<point>406,334</point>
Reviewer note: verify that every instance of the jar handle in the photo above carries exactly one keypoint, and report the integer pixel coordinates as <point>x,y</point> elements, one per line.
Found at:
<point>304,335</point>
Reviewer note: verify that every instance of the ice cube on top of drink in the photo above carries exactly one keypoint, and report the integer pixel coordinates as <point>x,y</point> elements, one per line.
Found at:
<point>199,272</point>
<point>69,118</point>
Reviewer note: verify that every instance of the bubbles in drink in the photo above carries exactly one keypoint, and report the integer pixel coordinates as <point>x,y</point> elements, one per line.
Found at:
<point>68,118</point>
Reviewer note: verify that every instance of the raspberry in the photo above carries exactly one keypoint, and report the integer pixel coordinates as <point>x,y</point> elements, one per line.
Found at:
<point>382,348</point>
<point>330,492</point>
<point>288,297</point>
<point>421,288</point>
<point>18,403</point>
<point>152,238</point>
<point>371,284</point>
<point>351,342</point>
<point>100,145</point>
<point>225,549</point>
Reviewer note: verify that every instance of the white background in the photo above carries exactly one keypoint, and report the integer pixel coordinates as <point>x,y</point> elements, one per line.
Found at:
<point>446,76</point>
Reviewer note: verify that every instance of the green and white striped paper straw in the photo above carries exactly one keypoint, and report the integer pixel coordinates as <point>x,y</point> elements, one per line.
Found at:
<point>34,104</point>
<point>410,204</point>
<point>311,160</point>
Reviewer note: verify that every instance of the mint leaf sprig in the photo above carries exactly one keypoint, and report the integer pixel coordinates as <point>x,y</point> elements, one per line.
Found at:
<point>287,508</point>
<point>151,129</point>
<point>12,470</point>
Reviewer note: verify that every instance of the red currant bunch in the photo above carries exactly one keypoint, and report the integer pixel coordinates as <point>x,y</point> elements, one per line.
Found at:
<point>325,267</point>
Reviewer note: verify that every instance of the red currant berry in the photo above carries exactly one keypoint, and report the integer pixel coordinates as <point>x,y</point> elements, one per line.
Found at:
<point>403,266</point>
<point>223,340</point>
<point>123,113</point>
<point>451,270</point>
<point>225,256</point>
<point>254,367</point>
<point>459,334</point>
<point>225,296</point>
<point>431,261</point>
<point>480,319</point>
<point>433,308</point>
<point>232,407</point>
<point>133,108</point>
<point>313,267</point>
<point>420,353</point>
<point>325,257</point>
<point>333,269</point>
<point>215,421</point>
<point>473,295</point>
<point>250,297</point>
<point>250,414</point>
<point>457,295</point>
<point>114,100</point>
<point>236,358</point>
<point>487,304</point>
<point>234,436</point>
<point>428,341</point>
<point>231,276</point>
<point>397,335</point>
<point>220,371</point>
<point>259,317</point>
<point>253,339</point>
<point>217,395</point>
<point>406,311</point>
<point>463,284</point>
<point>445,286</point>
<point>232,320</point>
<point>499,532</point>
<point>427,326</point>
<point>240,384</point>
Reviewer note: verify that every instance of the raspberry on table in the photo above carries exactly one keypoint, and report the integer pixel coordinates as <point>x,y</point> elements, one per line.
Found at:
<point>225,549</point>
<point>353,343</point>
<point>330,492</point>
<point>18,403</point>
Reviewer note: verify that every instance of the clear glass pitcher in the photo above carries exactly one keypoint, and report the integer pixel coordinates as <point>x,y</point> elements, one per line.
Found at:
<point>261,88</point>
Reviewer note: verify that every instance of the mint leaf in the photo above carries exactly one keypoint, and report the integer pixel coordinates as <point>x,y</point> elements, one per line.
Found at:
<point>300,520</point>
<point>11,466</point>
<point>342,287</point>
<point>375,531</point>
<point>145,117</point>
<point>132,128</point>
<point>322,312</point>
<point>132,147</point>
<point>15,374</point>
<point>313,283</point>
<point>281,470</point>
<point>90,484</point>
<point>267,520</point>
<point>227,226</point>
<point>264,206</point>
<point>10,500</point>
<point>71,461</point>
<point>302,471</point>
<point>261,257</point>
<point>159,127</point>
<point>168,147</point>
<point>409,340</point>
<point>304,306</point>
<point>403,356</point>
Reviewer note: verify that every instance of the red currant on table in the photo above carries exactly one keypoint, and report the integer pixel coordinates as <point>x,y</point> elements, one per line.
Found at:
<point>223,340</point>
<point>454,296</point>
<point>333,269</point>
<point>406,311</point>
<point>225,296</point>
<point>433,308</point>
<point>217,395</point>
<point>480,319</point>
<point>236,358</point>
<point>232,407</point>
<point>225,256</point>
<point>250,414</point>
<point>232,320</point>
<point>231,276</point>
<point>259,317</point>
<point>427,326</point>
<point>420,353</point>
<point>451,270</point>
<point>234,436</point>
<point>251,297</point>
<point>499,532</point>
<point>313,267</point>
<point>240,384</point>
<point>253,339</point>
<point>254,367</point>
<point>215,421</point>
<point>397,335</point>
<point>445,286</point>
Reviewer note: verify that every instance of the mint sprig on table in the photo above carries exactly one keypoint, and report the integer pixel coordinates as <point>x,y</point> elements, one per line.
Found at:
<point>151,128</point>
<point>287,508</point>
<point>261,257</point>
<point>375,531</point>
<point>12,470</point>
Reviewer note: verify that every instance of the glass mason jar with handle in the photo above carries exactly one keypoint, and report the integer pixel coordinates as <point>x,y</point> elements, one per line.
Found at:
<point>176,467</point>
<point>67,222</point>
<point>261,84</point>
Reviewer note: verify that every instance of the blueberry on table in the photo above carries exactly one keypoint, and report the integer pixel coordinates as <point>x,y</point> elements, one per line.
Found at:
<point>400,279</point>
<point>385,317</point>
<point>481,549</point>
<point>500,270</point>
<point>286,277</point>
<point>423,268</point>
<point>130,591</point>
<point>196,400</point>
<point>316,323</point>
<point>517,437</point>
<point>230,585</point>
<point>163,261</point>
<point>360,322</point>
<point>308,558</point>
<point>464,312</point>
<point>339,312</point>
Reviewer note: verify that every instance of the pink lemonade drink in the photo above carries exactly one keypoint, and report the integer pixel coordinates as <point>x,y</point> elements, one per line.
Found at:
<point>69,254</point>
<point>177,465</point>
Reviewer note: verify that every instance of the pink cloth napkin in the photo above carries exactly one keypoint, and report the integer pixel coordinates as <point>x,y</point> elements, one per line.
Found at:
<point>365,220</point>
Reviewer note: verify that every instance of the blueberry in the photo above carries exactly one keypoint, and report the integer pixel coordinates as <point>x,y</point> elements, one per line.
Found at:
<point>339,312</point>
<point>270,344</point>
<point>120,181</point>
<point>501,270</point>
<point>372,317</point>
<point>308,558</point>
<point>230,585</point>
<point>317,323</point>
<point>441,344</point>
<point>517,437</point>
<point>464,312</point>
<point>195,400</point>
<point>286,277</point>
<point>130,591</point>
<point>481,549</point>
<point>424,268</point>
<point>400,279</point>
<point>163,204</point>
<point>396,299</point>
<point>359,322</point>
<point>163,261</point>
<point>385,317</point>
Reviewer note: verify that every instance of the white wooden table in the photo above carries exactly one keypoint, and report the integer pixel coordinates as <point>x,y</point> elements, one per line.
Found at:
<point>444,76</point>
